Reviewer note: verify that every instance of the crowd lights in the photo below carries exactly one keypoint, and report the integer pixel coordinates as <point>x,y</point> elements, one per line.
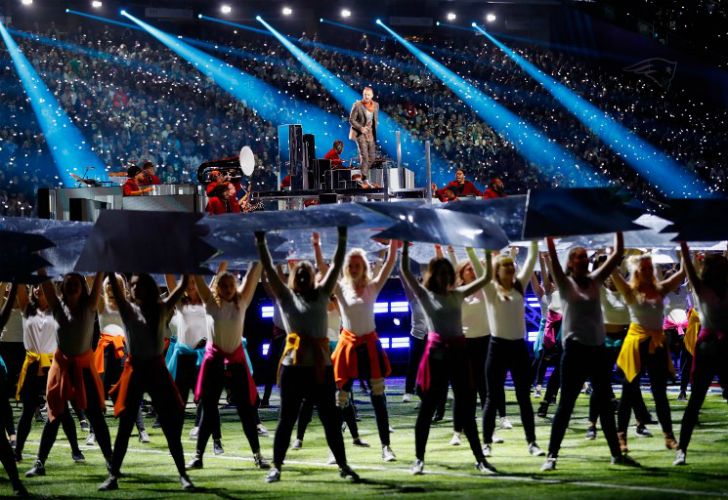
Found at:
<point>451,16</point>
<point>345,13</point>
<point>97,4</point>
<point>286,11</point>
<point>490,17</point>
<point>226,9</point>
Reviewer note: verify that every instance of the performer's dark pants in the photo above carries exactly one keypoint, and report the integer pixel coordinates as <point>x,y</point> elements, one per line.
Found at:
<point>186,380</point>
<point>578,363</point>
<point>95,417</point>
<point>235,378</point>
<point>113,367</point>
<point>299,383</point>
<point>31,395</point>
<point>503,356</point>
<point>656,365</point>
<point>477,354</point>
<point>417,347</point>
<point>710,359</point>
<point>6,411</point>
<point>275,351</point>
<point>154,379</point>
<point>449,364</point>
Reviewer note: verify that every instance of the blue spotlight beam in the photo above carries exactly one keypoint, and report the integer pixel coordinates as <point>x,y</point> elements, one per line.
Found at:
<point>272,104</point>
<point>412,150</point>
<point>103,19</point>
<point>652,164</point>
<point>67,145</point>
<point>549,157</point>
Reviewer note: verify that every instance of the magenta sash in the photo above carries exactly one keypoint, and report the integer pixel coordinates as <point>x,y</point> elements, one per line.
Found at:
<point>669,324</point>
<point>434,341</point>
<point>550,332</point>
<point>214,354</point>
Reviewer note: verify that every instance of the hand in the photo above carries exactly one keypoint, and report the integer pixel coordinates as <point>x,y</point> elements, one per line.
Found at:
<point>260,236</point>
<point>315,238</point>
<point>450,249</point>
<point>222,267</point>
<point>343,230</point>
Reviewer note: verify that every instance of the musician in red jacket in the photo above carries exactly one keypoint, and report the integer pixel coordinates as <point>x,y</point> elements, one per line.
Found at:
<point>496,189</point>
<point>334,154</point>
<point>462,187</point>
<point>223,200</point>
<point>150,175</point>
<point>132,185</point>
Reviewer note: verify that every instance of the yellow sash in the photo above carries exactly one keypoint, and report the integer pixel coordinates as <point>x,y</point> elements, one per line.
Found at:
<point>691,333</point>
<point>629,357</point>
<point>44,361</point>
<point>320,349</point>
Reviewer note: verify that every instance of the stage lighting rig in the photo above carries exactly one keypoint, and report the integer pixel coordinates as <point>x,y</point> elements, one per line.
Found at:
<point>97,4</point>
<point>27,2</point>
<point>345,13</point>
<point>286,11</point>
<point>451,16</point>
<point>225,9</point>
<point>490,17</point>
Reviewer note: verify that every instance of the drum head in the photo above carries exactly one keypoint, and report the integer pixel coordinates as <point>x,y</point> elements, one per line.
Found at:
<point>247,160</point>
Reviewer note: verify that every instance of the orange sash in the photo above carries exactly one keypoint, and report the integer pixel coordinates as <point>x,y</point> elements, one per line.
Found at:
<point>152,371</point>
<point>66,383</point>
<point>346,360</point>
<point>119,343</point>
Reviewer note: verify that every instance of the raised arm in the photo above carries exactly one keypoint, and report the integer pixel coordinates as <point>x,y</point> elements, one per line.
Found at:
<point>221,268</point>
<point>329,281</point>
<point>274,280</point>
<point>96,289</point>
<point>404,270</point>
<point>687,264</point>
<point>202,288</point>
<point>525,274</point>
<point>388,266</point>
<point>23,298</point>
<point>451,255</point>
<point>250,282</point>
<point>673,282</point>
<point>49,289</point>
<point>537,288</point>
<point>8,306</point>
<point>621,284</point>
<point>321,264</point>
<point>609,265</point>
<point>175,294</point>
<point>121,303</point>
<point>554,265</point>
<point>481,281</point>
<point>475,262</point>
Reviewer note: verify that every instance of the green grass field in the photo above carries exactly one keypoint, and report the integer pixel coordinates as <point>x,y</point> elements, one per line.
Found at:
<point>583,467</point>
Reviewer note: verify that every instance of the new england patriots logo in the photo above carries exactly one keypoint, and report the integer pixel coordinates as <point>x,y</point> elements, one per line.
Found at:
<point>659,70</point>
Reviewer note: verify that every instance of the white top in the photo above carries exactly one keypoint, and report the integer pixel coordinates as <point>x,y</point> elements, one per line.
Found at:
<point>13,331</point>
<point>614,308</point>
<point>357,311</point>
<point>475,316</point>
<point>110,322</point>
<point>229,319</point>
<point>39,333</point>
<point>334,324</point>
<point>418,321</point>
<point>555,302</point>
<point>193,324</point>
<point>649,314</point>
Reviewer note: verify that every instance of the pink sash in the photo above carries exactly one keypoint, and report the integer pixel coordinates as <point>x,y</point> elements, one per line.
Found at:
<point>213,354</point>
<point>434,341</point>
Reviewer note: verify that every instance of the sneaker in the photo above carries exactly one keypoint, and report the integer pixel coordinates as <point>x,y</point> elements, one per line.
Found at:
<point>418,468</point>
<point>84,425</point>
<point>625,460</point>
<point>297,444</point>
<point>331,460</point>
<point>455,441</point>
<point>549,464</point>
<point>217,448</point>
<point>487,451</point>
<point>91,439</point>
<point>622,438</point>
<point>262,431</point>
<point>194,432</point>
<point>497,439</point>
<point>196,462</point>
<point>407,397</point>
<point>535,451</point>
<point>111,483</point>
<point>543,409</point>
<point>37,470</point>
<point>670,442</point>
<point>642,431</point>
<point>144,437</point>
<point>260,462</point>
<point>274,475</point>
<point>679,458</point>
<point>682,397</point>
<point>437,418</point>
<point>346,473</point>
<point>591,433</point>
<point>505,423</point>
<point>77,457</point>
<point>485,468</point>
<point>537,391</point>
<point>186,483</point>
<point>388,454</point>
<point>360,442</point>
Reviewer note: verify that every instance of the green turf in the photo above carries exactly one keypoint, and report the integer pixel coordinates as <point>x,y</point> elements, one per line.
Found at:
<point>583,467</point>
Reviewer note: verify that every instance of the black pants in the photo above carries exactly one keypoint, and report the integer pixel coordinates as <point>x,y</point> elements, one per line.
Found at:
<point>379,401</point>
<point>235,379</point>
<point>416,348</point>
<point>710,360</point>
<point>8,461</point>
<point>656,365</point>
<point>449,364</point>
<point>6,411</point>
<point>95,416</point>
<point>503,356</point>
<point>31,396</point>
<point>578,363</point>
<point>299,383</point>
<point>153,378</point>
<point>554,382</point>
<point>186,381</point>
<point>113,367</point>
<point>477,354</point>
<point>275,351</point>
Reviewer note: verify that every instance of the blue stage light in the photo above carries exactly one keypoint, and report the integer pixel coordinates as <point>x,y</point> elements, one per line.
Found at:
<point>412,150</point>
<point>71,153</point>
<point>551,159</point>
<point>271,103</point>
<point>653,165</point>
<point>122,12</point>
<point>103,19</point>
